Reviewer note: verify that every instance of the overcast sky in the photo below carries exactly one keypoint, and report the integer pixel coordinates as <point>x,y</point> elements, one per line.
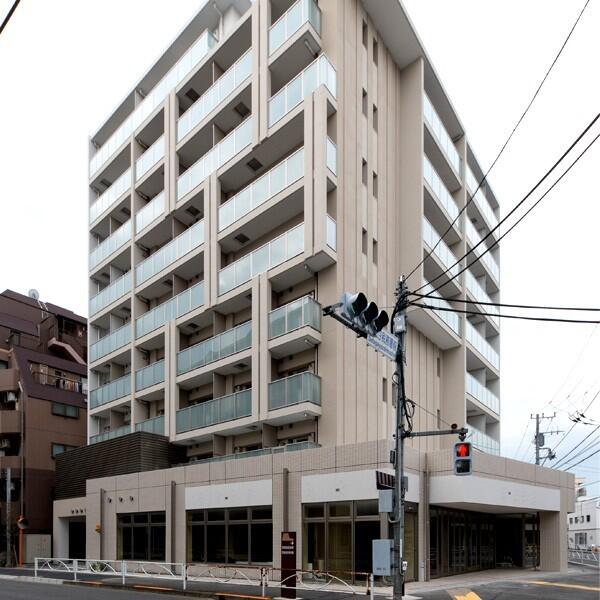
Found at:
<point>65,64</point>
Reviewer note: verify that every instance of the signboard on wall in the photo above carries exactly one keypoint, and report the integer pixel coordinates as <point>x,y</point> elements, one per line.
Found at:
<point>288,564</point>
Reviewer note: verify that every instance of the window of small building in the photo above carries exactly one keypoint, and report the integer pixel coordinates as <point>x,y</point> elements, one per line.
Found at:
<point>60,448</point>
<point>141,536</point>
<point>65,410</point>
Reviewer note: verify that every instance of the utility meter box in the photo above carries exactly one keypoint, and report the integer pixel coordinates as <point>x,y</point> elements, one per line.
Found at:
<point>386,501</point>
<point>382,557</point>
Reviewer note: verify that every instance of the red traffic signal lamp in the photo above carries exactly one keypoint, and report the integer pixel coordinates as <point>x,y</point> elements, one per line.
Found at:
<point>463,453</point>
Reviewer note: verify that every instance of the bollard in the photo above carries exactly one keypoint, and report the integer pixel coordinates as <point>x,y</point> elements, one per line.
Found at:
<point>123,569</point>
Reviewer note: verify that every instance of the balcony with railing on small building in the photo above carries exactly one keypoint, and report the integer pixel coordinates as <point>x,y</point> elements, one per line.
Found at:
<point>152,425</point>
<point>294,327</point>
<point>485,262</point>
<point>440,206</point>
<point>477,190</point>
<point>477,292</point>
<point>440,263</point>
<point>113,341</point>
<point>294,398</point>
<point>117,389</point>
<point>150,376</point>
<point>481,393</point>
<point>482,440</point>
<point>67,382</point>
<point>484,354</point>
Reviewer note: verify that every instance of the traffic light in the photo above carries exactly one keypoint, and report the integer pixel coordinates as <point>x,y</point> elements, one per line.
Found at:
<point>463,458</point>
<point>363,314</point>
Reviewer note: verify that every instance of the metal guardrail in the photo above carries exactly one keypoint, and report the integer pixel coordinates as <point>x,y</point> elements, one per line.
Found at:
<point>260,576</point>
<point>584,557</point>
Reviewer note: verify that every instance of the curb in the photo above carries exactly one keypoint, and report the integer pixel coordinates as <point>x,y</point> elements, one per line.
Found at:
<point>31,579</point>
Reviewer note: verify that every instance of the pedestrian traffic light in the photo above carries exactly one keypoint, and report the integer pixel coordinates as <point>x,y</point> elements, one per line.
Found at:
<point>363,314</point>
<point>462,458</point>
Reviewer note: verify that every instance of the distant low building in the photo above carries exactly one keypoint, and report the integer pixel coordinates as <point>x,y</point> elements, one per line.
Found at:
<point>43,406</point>
<point>584,524</point>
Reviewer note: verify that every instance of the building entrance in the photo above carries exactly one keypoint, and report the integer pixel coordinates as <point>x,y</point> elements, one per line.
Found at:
<point>76,539</point>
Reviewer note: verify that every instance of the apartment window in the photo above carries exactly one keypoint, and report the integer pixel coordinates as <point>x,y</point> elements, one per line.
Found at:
<point>375,252</point>
<point>364,171</point>
<point>375,185</point>
<point>375,118</point>
<point>234,535</point>
<point>375,51</point>
<point>364,241</point>
<point>571,520</point>
<point>60,448</point>
<point>365,34</point>
<point>65,410</point>
<point>365,102</point>
<point>3,365</point>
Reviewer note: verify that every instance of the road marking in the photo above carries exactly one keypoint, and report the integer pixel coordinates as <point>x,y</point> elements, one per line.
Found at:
<point>566,585</point>
<point>468,596</point>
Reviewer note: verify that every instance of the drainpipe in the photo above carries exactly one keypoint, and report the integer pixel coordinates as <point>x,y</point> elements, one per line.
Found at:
<point>286,477</point>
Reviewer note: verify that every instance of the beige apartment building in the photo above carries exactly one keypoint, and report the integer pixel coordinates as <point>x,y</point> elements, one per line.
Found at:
<point>276,155</point>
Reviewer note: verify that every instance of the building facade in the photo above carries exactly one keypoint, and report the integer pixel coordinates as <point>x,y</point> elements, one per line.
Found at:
<point>584,524</point>
<point>43,388</point>
<point>277,154</point>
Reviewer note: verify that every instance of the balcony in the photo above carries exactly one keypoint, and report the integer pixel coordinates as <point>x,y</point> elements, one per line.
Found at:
<point>10,421</point>
<point>111,244</point>
<point>152,156</point>
<point>110,196</point>
<point>480,295</point>
<point>442,327</point>
<point>152,211</point>
<point>294,327</point>
<point>221,153</point>
<point>213,412</point>
<point>9,380</point>
<point>487,259</point>
<point>273,253</point>
<point>481,345</point>
<point>319,72</point>
<point>301,12</point>
<point>150,376</point>
<point>178,72</point>
<point>481,393</point>
<point>331,232</point>
<point>483,441</point>
<point>441,135</point>
<point>154,425</point>
<point>481,201</point>
<point>439,191</point>
<point>179,305</point>
<point>110,435</point>
<point>263,189</point>
<point>297,397</point>
<point>119,388</point>
<point>219,91</point>
<point>109,343</point>
<point>111,293</point>
<point>215,348</point>
<point>331,156</point>
<point>177,248</point>
<point>442,251</point>
<point>294,447</point>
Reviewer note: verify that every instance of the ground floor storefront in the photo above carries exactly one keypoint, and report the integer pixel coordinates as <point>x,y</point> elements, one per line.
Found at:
<point>234,513</point>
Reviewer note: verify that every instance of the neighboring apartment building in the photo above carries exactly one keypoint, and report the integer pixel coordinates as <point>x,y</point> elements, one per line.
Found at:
<point>43,388</point>
<point>277,154</point>
<point>584,524</point>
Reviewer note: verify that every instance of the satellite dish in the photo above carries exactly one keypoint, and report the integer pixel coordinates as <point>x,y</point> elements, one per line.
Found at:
<point>33,293</point>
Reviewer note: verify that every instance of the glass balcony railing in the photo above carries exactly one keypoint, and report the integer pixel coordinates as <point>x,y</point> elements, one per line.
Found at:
<point>440,191</point>
<point>303,11</point>
<point>119,388</point>
<point>154,209</point>
<point>155,425</point>
<point>226,149</point>
<point>214,95</point>
<point>441,135</point>
<point>331,156</point>
<point>110,195</point>
<point>481,393</point>
<point>481,345</point>
<point>304,387</point>
<point>262,259</point>
<point>481,295</point>
<point>215,348</point>
<point>331,232</point>
<point>442,251</point>
<point>294,447</point>
<point>299,313</point>
<point>117,289</point>
<point>487,259</point>
<point>483,441</point>
<point>150,375</point>
<point>452,319</point>
<point>184,65</point>
<point>152,155</point>
<point>110,435</point>
<point>258,192</point>
<point>111,244</point>
<point>213,412</point>
<point>177,306</point>
<point>111,342</point>
<point>480,199</point>
<point>184,243</point>
<point>319,72</point>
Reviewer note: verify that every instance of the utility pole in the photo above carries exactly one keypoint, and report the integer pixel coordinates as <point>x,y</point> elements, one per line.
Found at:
<point>539,439</point>
<point>8,499</point>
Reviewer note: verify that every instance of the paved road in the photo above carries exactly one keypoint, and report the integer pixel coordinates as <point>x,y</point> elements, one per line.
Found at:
<point>575,586</point>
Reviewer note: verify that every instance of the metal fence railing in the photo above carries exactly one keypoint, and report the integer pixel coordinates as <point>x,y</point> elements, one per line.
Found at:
<point>586,558</point>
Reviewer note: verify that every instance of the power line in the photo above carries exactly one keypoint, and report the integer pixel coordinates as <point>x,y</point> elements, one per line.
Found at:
<point>496,242</point>
<point>537,91</point>
<point>10,14</point>
<point>584,459</point>
<point>520,317</point>
<point>565,465</point>
<point>563,459</point>
<point>588,484</point>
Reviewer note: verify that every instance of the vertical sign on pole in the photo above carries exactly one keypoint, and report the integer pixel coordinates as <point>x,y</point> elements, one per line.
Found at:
<point>288,564</point>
